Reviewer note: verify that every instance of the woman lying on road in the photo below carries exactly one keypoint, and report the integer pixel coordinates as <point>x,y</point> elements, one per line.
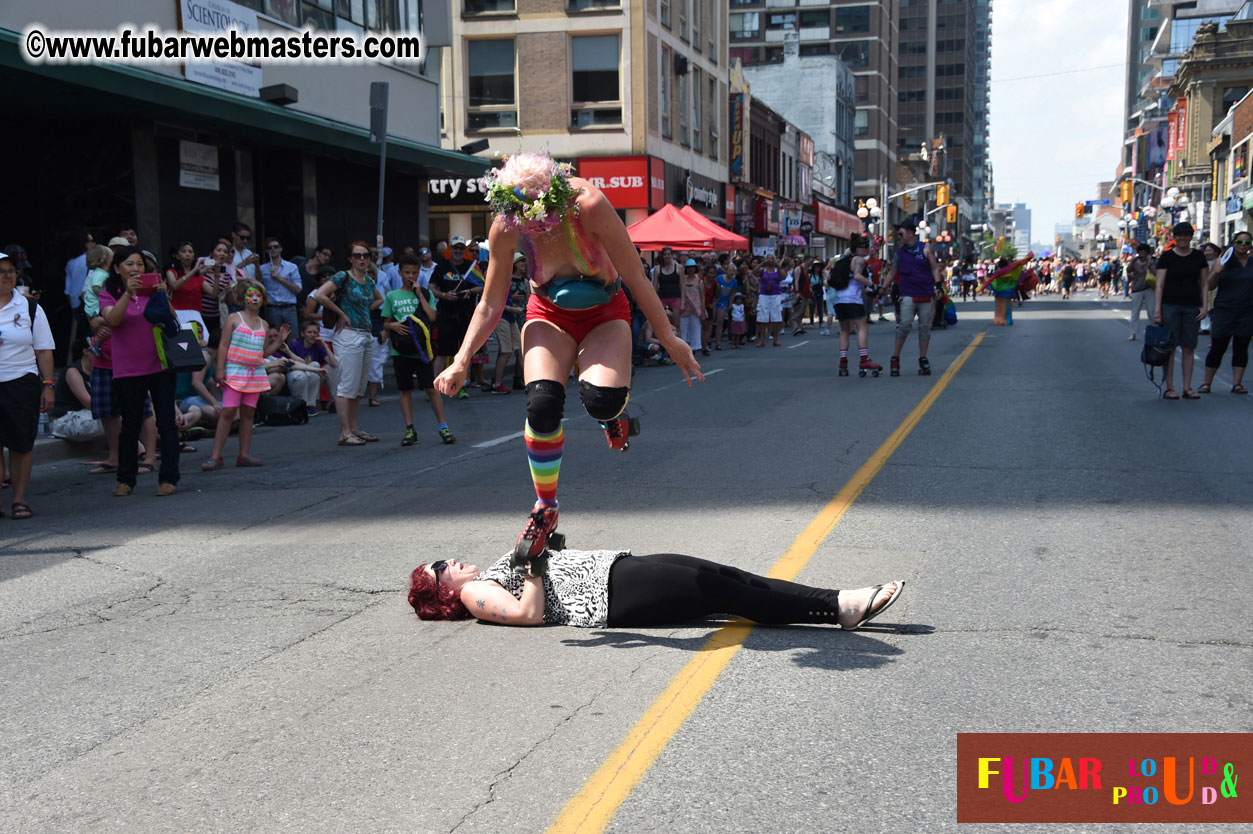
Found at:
<point>599,588</point>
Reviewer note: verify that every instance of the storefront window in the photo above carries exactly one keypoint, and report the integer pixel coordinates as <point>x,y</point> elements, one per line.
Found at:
<point>490,75</point>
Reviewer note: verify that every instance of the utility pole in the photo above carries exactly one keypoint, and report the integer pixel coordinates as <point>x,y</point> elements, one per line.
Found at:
<point>378,135</point>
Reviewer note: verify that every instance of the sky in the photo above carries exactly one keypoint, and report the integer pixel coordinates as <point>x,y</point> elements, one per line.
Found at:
<point>1057,134</point>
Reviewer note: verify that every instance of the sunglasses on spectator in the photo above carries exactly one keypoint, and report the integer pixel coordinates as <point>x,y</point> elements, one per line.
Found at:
<point>273,246</point>
<point>437,568</point>
<point>243,236</point>
<point>359,255</point>
<point>1244,243</point>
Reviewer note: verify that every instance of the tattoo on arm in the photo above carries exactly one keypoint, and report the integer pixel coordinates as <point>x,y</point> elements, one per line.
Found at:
<point>482,603</point>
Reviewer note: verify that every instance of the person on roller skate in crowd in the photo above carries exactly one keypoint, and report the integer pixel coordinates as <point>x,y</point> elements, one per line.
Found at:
<point>769,301</point>
<point>849,279</point>
<point>579,256</point>
<point>917,271</point>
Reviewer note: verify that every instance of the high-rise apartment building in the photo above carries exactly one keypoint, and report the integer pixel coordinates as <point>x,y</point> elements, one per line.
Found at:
<point>864,35</point>
<point>942,89</point>
<point>632,92</point>
<point>980,155</point>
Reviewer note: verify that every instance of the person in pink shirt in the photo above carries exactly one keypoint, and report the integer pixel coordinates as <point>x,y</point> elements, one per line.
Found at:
<point>137,372</point>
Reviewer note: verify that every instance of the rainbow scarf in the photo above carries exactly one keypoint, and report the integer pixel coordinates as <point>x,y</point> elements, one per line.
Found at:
<point>420,338</point>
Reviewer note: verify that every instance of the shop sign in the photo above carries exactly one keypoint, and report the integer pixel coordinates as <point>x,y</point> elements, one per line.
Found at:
<point>455,191</point>
<point>198,166</point>
<point>707,197</point>
<point>625,180</point>
<point>1234,205</point>
<point>764,246</point>
<point>1181,131</point>
<point>1248,201</point>
<point>220,17</point>
<point>729,205</point>
<point>656,183</point>
<point>737,137</point>
<point>806,150</point>
<point>1173,121</point>
<point>766,215</point>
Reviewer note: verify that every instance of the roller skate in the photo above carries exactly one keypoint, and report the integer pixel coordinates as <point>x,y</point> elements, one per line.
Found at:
<point>867,365</point>
<point>619,430</point>
<point>844,366</point>
<point>924,366</point>
<point>895,365</point>
<point>530,554</point>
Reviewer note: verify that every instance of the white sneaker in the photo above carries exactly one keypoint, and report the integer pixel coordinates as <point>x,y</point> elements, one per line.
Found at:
<point>825,332</point>
<point>1131,338</point>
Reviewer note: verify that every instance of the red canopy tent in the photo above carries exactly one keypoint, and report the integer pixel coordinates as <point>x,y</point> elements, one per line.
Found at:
<point>668,227</point>
<point>724,240</point>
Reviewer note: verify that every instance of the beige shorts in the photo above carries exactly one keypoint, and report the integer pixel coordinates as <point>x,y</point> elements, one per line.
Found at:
<point>508,339</point>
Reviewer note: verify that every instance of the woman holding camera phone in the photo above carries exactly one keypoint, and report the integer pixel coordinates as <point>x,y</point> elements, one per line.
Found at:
<point>137,371</point>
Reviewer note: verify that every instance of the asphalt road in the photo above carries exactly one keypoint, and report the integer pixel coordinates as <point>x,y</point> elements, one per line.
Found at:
<point>240,657</point>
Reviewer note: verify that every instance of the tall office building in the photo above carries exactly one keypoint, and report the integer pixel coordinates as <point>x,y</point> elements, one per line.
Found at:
<point>980,155</point>
<point>942,88</point>
<point>864,35</point>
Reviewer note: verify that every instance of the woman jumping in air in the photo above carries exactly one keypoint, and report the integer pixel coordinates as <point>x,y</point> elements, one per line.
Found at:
<point>579,256</point>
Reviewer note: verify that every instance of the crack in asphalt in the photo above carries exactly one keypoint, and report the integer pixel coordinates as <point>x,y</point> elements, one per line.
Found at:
<point>1036,631</point>
<point>506,774</point>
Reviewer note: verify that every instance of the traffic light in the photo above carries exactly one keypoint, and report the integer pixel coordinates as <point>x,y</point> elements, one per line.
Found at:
<point>1079,209</point>
<point>941,195</point>
<point>906,202</point>
<point>1127,193</point>
<point>952,214</point>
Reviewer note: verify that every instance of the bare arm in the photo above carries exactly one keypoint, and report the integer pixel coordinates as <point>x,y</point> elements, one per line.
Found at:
<point>323,296</point>
<point>603,222</point>
<point>224,343</point>
<point>197,382</point>
<point>491,603</point>
<point>74,379</point>
<point>1205,279</point>
<point>1157,293</point>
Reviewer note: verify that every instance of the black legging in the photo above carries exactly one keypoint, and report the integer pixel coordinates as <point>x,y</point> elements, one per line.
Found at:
<point>670,588</point>
<point>1218,346</point>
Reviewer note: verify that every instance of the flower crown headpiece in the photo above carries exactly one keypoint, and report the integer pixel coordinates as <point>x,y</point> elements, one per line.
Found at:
<point>530,192</point>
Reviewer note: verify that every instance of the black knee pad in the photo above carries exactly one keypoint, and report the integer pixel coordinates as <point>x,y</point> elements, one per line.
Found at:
<point>545,405</point>
<point>603,403</point>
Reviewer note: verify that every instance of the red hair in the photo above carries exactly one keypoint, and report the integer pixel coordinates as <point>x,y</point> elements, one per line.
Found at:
<point>433,601</point>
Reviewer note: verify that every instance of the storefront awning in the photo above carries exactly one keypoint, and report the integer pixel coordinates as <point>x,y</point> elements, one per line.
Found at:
<point>168,98</point>
<point>724,240</point>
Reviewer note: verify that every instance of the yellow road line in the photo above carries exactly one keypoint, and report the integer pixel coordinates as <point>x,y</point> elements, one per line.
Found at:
<point>592,808</point>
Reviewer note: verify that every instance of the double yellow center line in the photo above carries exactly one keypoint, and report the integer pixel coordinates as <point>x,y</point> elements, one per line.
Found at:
<point>593,807</point>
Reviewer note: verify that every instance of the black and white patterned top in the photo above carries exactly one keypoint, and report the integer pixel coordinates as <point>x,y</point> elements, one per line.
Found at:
<point>576,588</point>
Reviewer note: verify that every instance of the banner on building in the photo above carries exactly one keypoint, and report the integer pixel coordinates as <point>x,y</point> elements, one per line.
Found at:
<point>220,17</point>
<point>1181,127</point>
<point>198,166</point>
<point>1172,133</point>
<point>737,137</point>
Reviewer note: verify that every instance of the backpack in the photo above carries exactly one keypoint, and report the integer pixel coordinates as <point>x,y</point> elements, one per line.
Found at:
<point>281,411</point>
<point>841,273</point>
<point>1158,346</point>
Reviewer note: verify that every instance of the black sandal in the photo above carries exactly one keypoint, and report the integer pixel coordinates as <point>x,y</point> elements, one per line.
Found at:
<point>21,511</point>
<point>1239,389</point>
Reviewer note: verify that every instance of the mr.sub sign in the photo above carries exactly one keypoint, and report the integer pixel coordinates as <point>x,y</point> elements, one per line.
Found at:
<point>623,179</point>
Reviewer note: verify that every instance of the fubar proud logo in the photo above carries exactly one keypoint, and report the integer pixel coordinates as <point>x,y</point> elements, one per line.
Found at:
<point>1102,777</point>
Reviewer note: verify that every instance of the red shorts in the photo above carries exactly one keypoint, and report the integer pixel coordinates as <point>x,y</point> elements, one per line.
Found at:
<point>578,323</point>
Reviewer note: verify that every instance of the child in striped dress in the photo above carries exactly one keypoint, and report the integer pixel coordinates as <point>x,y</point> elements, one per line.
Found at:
<point>246,341</point>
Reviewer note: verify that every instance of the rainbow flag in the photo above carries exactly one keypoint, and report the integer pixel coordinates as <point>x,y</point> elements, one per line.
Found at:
<point>475,275</point>
<point>1006,279</point>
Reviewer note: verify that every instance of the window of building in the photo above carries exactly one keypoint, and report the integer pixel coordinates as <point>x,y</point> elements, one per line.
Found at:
<point>746,54</point>
<point>815,49</point>
<point>663,12</point>
<point>473,7</point>
<point>861,123</point>
<point>663,93</point>
<point>813,19</point>
<point>744,25</point>
<point>712,47</point>
<point>490,99</point>
<point>696,13</point>
<point>861,84</point>
<point>713,117</point>
<point>772,55</point>
<point>682,85</point>
<point>851,20</point>
<point>697,125</point>
<point>586,5</point>
<point>780,22</point>
<point>682,17</point>
<point>594,81</point>
<point>856,53</point>
<point>1183,31</point>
